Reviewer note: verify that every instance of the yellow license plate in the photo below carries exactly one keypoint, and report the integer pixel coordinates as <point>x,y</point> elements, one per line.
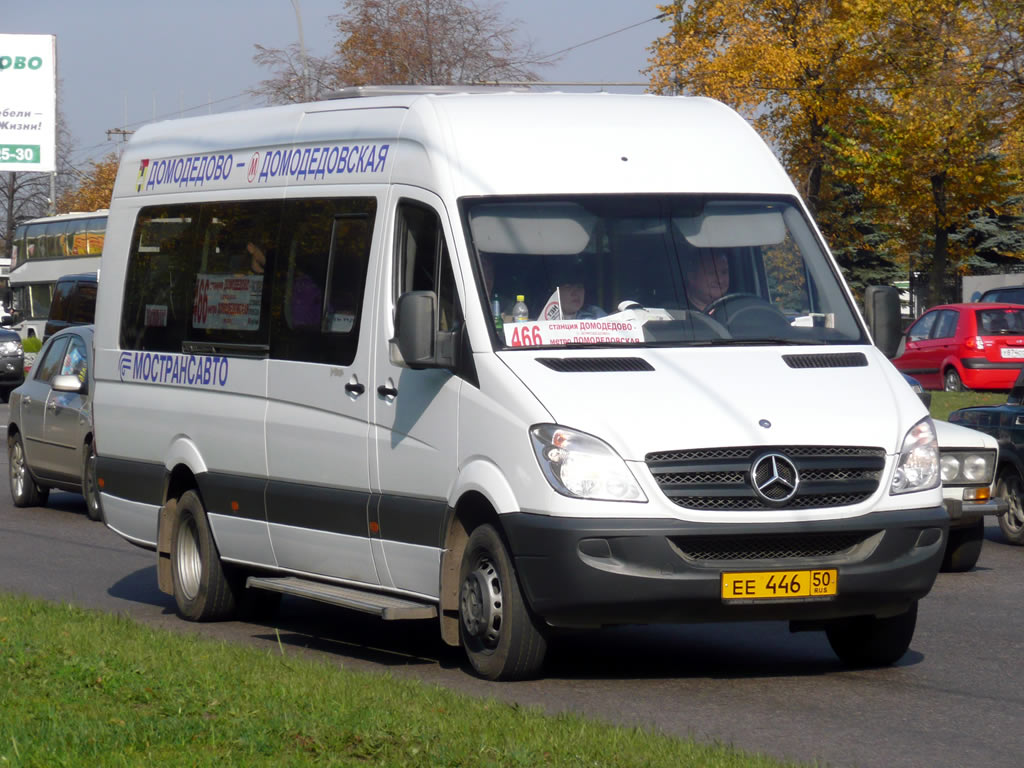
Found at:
<point>776,585</point>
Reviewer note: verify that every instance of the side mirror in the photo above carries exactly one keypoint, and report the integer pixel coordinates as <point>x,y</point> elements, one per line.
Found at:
<point>882,312</point>
<point>7,320</point>
<point>415,319</point>
<point>67,383</point>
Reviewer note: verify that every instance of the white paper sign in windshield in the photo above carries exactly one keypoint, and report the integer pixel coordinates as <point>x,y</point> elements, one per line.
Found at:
<point>28,103</point>
<point>623,328</point>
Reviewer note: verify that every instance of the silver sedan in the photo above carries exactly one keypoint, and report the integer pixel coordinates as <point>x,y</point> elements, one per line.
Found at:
<point>50,436</point>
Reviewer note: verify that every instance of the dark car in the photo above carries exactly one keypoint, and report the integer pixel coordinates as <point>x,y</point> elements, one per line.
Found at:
<point>964,346</point>
<point>1006,424</point>
<point>12,362</point>
<point>1007,294</point>
<point>49,436</point>
<point>74,303</point>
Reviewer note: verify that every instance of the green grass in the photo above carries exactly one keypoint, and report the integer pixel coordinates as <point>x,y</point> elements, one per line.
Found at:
<point>85,688</point>
<point>944,403</point>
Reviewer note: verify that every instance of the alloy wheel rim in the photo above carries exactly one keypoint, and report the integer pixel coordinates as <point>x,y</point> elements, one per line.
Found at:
<point>188,562</point>
<point>18,470</point>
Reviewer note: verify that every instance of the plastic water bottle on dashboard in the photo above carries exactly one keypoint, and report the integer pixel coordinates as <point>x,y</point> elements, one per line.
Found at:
<point>520,313</point>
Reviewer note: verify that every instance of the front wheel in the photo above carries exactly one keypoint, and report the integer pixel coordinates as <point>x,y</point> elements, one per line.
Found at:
<point>202,590</point>
<point>952,382</point>
<point>868,641</point>
<point>963,548</point>
<point>90,490</point>
<point>1011,523</point>
<point>500,636</point>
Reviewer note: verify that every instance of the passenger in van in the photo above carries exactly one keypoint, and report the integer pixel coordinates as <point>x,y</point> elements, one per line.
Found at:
<point>571,275</point>
<point>706,274</point>
<point>257,258</point>
<point>307,295</point>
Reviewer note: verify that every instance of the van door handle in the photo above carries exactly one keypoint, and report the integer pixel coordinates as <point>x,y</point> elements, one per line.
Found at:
<point>355,388</point>
<point>385,390</point>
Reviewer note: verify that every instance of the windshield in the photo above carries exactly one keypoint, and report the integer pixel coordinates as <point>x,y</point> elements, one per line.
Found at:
<point>675,270</point>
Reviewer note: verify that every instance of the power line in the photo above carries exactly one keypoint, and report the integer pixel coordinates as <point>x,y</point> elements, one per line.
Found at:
<point>595,39</point>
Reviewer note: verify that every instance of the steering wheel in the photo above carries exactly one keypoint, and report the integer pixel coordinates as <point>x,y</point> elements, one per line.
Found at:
<point>747,310</point>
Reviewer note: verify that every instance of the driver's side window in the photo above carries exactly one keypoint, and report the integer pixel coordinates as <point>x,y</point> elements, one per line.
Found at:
<point>920,330</point>
<point>423,261</point>
<point>52,361</point>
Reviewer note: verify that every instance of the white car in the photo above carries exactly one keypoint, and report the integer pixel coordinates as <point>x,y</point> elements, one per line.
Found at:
<point>968,459</point>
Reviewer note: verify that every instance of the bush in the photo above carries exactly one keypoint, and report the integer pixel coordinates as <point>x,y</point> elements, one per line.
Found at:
<point>32,344</point>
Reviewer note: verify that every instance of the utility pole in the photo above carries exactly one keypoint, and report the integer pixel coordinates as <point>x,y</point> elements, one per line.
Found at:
<point>123,133</point>
<point>302,51</point>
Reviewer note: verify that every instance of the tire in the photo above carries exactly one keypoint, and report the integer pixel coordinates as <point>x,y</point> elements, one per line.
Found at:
<point>963,548</point>
<point>868,641</point>
<point>1011,523</point>
<point>951,381</point>
<point>202,590</point>
<point>25,492</point>
<point>90,490</point>
<point>497,631</point>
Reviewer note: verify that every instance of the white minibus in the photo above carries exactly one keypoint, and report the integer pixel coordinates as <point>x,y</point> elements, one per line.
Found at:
<point>517,363</point>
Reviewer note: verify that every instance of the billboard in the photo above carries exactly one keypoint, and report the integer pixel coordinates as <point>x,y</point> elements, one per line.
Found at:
<point>28,102</point>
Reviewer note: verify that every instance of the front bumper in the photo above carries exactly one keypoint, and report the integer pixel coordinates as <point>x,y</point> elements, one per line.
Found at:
<point>12,369</point>
<point>593,572</point>
<point>967,512</point>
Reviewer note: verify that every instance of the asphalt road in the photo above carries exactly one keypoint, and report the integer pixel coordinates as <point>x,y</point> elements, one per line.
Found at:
<point>956,699</point>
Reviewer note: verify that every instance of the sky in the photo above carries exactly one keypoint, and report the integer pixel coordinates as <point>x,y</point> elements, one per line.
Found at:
<point>123,63</point>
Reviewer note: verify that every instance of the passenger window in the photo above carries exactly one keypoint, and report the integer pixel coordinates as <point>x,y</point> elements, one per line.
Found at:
<point>945,327</point>
<point>84,307</point>
<point>60,308</point>
<point>320,279</point>
<point>52,361</point>
<point>423,262</point>
<point>250,274</point>
<point>196,274</point>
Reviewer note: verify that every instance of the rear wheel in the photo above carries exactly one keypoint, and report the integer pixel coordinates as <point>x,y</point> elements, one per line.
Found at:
<point>952,382</point>
<point>963,548</point>
<point>25,492</point>
<point>501,638</point>
<point>868,641</point>
<point>90,490</point>
<point>202,590</point>
<point>1009,487</point>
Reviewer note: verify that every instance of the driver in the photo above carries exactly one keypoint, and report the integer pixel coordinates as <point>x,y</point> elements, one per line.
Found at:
<point>706,274</point>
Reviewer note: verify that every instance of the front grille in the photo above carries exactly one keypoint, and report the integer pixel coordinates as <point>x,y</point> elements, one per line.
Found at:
<point>719,478</point>
<point>782,546</point>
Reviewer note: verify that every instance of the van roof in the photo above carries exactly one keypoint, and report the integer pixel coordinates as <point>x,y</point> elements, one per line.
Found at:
<point>464,144</point>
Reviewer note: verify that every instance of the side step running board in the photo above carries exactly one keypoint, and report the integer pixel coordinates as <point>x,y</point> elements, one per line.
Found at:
<point>387,607</point>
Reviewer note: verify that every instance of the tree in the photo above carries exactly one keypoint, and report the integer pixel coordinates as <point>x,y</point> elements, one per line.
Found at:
<point>911,106</point>
<point>94,189</point>
<point>931,134</point>
<point>404,42</point>
<point>294,81</point>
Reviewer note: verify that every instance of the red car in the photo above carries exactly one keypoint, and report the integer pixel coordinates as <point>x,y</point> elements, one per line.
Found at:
<point>965,346</point>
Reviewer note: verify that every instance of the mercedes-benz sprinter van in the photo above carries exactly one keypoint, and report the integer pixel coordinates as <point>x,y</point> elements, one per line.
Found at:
<point>515,362</point>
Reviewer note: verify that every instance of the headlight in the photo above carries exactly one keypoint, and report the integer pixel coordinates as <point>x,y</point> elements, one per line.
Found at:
<point>918,466</point>
<point>582,466</point>
<point>967,467</point>
<point>10,347</point>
